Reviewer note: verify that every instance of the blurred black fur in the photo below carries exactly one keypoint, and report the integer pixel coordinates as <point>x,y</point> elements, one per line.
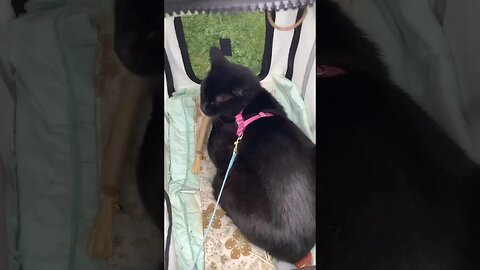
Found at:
<point>395,192</point>
<point>18,7</point>
<point>270,191</point>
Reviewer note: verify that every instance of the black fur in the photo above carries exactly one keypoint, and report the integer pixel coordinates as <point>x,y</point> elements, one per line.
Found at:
<point>139,36</point>
<point>18,7</point>
<point>270,191</point>
<point>394,189</point>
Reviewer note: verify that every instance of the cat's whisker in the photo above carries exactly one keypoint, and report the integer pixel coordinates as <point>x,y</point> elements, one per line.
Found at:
<point>262,259</point>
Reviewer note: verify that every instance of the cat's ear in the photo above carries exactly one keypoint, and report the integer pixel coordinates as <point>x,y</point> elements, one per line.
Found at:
<point>216,56</point>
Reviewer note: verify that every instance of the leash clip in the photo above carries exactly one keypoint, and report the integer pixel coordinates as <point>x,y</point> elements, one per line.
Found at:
<point>235,144</point>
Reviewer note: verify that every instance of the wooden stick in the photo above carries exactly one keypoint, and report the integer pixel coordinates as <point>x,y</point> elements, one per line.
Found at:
<point>200,142</point>
<point>113,162</point>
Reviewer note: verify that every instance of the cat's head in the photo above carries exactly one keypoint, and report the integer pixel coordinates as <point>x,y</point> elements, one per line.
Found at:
<point>228,87</point>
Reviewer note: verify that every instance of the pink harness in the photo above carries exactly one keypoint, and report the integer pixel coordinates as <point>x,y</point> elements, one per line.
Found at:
<point>329,71</point>
<point>322,71</point>
<point>242,124</point>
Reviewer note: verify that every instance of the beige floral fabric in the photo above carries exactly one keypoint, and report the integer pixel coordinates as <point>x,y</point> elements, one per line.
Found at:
<point>225,247</point>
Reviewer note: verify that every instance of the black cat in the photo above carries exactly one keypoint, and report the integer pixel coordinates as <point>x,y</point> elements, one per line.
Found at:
<point>139,36</point>
<point>395,192</point>
<point>270,191</point>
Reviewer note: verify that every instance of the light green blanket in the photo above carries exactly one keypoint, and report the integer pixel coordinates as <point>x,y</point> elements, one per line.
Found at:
<point>54,196</point>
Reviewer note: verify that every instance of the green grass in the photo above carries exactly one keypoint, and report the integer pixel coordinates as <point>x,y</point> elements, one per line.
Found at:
<point>246,32</point>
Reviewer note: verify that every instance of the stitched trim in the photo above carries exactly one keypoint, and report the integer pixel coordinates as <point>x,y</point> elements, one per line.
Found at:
<point>169,231</point>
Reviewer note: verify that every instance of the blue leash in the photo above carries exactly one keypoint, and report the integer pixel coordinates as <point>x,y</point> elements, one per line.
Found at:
<point>232,160</point>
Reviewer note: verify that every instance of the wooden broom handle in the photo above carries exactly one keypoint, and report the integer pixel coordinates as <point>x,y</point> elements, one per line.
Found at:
<point>202,133</point>
<point>116,150</point>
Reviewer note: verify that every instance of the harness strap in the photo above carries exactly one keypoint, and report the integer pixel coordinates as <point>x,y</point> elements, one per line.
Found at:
<point>242,124</point>
<point>329,71</point>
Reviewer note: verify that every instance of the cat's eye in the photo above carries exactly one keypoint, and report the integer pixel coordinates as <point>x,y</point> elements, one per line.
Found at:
<point>222,98</point>
<point>238,92</point>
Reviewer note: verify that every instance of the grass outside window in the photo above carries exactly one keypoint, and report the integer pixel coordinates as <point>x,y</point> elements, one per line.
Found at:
<point>246,32</point>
